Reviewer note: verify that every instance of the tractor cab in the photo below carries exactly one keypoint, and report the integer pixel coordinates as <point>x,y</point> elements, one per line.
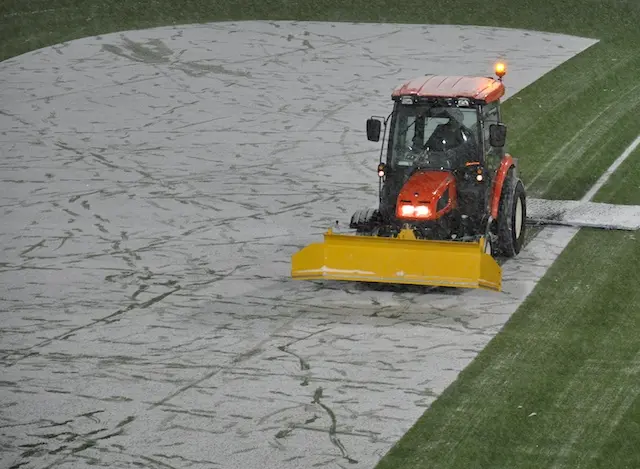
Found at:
<point>447,124</point>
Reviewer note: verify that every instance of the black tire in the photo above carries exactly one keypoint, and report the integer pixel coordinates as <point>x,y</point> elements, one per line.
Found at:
<point>512,216</point>
<point>364,220</point>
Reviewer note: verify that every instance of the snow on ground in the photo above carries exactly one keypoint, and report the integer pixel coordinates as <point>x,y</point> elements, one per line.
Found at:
<point>154,187</point>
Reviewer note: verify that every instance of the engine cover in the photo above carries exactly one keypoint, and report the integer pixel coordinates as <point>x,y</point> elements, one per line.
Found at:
<point>427,196</point>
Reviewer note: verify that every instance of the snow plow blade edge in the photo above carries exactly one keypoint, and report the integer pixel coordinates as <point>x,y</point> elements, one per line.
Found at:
<point>403,260</point>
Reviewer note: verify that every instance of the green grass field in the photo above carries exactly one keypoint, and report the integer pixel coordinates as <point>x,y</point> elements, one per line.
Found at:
<point>560,385</point>
<point>624,185</point>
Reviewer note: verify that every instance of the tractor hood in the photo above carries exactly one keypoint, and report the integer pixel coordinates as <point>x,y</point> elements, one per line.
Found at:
<point>427,195</point>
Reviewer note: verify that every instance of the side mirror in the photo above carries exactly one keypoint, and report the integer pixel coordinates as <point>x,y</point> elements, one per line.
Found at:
<point>497,135</point>
<point>374,126</point>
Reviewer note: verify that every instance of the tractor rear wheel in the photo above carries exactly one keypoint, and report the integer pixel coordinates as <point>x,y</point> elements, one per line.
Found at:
<point>512,215</point>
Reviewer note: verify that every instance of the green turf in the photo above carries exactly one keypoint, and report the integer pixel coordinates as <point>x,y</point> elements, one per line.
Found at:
<point>623,187</point>
<point>571,355</point>
<point>590,112</point>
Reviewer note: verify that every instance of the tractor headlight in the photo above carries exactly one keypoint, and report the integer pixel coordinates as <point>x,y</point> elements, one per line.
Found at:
<point>422,211</point>
<point>415,211</point>
<point>407,210</point>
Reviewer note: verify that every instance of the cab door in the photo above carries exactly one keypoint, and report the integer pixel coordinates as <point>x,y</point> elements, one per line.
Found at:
<point>490,114</point>
<point>493,155</point>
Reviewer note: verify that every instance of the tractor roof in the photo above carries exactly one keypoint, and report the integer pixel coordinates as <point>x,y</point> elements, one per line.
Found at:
<point>444,86</point>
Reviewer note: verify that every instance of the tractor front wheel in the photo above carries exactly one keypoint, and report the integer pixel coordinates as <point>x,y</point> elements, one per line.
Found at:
<point>512,216</point>
<point>365,221</point>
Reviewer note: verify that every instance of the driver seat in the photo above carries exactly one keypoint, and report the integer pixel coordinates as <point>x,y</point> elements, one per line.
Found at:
<point>445,136</point>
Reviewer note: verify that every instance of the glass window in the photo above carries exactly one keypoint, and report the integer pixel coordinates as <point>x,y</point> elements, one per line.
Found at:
<point>490,116</point>
<point>434,137</point>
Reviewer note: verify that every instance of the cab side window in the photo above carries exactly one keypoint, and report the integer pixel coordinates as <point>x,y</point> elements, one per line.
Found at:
<point>490,116</point>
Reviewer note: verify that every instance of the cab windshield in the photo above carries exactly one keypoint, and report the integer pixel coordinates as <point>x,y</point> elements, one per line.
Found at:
<point>433,137</point>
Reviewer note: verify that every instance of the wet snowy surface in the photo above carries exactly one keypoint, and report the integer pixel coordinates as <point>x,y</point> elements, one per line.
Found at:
<point>154,186</point>
<point>584,213</point>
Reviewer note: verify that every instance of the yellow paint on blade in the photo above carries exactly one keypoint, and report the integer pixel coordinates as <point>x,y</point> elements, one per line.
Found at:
<point>398,260</point>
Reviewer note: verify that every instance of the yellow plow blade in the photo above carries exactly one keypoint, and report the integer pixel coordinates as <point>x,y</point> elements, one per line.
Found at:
<point>404,260</point>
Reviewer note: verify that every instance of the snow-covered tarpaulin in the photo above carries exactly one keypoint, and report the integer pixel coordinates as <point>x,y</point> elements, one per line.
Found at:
<point>581,213</point>
<point>154,185</point>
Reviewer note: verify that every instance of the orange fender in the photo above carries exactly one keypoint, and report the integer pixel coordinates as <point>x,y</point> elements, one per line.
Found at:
<point>505,165</point>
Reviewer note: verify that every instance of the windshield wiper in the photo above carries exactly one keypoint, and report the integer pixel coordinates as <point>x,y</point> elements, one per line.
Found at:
<point>425,116</point>
<point>409,126</point>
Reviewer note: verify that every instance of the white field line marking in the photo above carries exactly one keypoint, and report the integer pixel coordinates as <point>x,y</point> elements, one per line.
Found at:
<point>564,147</point>
<point>579,151</point>
<point>605,176</point>
<point>576,154</point>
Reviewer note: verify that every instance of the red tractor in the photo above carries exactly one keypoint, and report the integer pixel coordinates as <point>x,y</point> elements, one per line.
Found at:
<point>447,185</point>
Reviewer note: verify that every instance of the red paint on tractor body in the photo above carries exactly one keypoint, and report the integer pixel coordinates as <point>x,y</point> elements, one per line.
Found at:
<point>505,165</point>
<point>425,189</point>
<point>482,88</point>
